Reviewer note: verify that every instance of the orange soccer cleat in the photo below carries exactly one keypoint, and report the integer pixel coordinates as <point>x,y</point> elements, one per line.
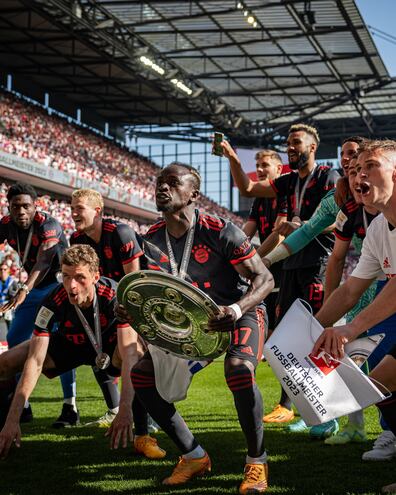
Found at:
<point>280,414</point>
<point>148,446</point>
<point>255,479</point>
<point>188,468</point>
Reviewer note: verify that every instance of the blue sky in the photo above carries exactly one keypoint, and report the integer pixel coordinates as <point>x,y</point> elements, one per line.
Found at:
<point>381,15</point>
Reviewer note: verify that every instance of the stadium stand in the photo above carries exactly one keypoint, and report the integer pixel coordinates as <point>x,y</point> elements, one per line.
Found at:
<point>28,131</point>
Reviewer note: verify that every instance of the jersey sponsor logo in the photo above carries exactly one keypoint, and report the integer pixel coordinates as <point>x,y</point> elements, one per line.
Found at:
<point>43,317</point>
<point>76,338</point>
<point>108,252</point>
<point>201,253</point>
<point>326,366</point>
<point>386,263</point>
<point>340,220</point>
<point>243,248</point>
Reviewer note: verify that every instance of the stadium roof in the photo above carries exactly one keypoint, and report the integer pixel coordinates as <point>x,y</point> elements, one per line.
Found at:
<point>250,68</point>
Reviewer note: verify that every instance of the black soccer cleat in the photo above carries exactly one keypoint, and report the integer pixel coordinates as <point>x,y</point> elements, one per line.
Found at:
<point>7,389</point>
<point>27,415</point>
<point>68,417</point>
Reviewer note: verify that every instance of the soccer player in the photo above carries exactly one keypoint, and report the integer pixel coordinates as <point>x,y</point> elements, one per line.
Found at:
<point>376,168</point>
<point>118,251</point>
<point>82,311</point>
<point>39,241</point>
<point>303,273</point>
<point>324,216</point>
<point>217,257</point>
<point>265,215</point>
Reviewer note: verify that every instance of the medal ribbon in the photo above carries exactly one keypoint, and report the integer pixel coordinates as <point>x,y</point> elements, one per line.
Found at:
<point>27,249</point>
<point>300,193</point>
<point>95,338</point>
<point>182,271</point>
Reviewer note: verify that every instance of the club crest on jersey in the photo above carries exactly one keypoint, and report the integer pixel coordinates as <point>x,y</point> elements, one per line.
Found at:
<point>325,365</point>
<point>108,252</point>
<point>201,253</point>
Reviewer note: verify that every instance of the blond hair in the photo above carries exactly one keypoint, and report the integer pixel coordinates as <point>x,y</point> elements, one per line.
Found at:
<point>93,198</point>
<point>81,254</point>
<point>312,131</point>
<point>271,153</point>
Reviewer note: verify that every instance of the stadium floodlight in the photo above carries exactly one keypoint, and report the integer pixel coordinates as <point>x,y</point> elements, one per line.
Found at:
<point>180,85</point>
<point>240,5</point>
<point>246,13</point>
<point>251,19</point>
<point>254,24</point>
<point>149,63</point>
<point>105,24</point>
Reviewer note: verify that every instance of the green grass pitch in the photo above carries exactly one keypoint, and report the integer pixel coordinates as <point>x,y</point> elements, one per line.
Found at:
<point>78,461</point>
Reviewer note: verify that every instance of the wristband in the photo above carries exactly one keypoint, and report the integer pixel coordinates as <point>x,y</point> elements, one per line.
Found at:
<point>278,254</point>
<point>23,287</point>
<point>235,307</point>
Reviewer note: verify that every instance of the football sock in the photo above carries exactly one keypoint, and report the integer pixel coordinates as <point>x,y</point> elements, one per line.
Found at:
<point>249,405</point>
<point>161,411</point>
<point>68,382</point>
<point>109,388</point>
<point>257,460</point>
<point>197,453</point>
<point>139,417</point>
<point>285,401</point>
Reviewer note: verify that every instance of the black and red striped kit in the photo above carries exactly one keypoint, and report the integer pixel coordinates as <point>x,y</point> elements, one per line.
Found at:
<point>69,345</point>
<point>45,229</point>
<point>117,247</point>
<point>218,246</point>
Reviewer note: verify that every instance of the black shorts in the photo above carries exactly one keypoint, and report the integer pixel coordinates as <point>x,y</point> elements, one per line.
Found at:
<point>392,352</point>
<point>303,283</point>
<point>247,340</point>
<point>68,355</point>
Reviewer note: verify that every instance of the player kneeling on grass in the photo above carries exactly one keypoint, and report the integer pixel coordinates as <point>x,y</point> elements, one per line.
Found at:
<point>76,325</point>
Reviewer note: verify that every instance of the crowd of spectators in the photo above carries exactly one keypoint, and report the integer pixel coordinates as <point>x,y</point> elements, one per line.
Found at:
<point>61,211</point>
<point>27,130</point>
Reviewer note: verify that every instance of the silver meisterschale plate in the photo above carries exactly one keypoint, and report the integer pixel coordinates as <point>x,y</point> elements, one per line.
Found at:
<point>171,314</point>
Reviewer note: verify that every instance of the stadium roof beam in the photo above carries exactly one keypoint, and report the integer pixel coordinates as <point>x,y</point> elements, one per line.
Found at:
<point>244,71</point>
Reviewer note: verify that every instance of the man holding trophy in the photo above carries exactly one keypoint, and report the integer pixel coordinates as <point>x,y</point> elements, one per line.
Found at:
<point>215,256</point>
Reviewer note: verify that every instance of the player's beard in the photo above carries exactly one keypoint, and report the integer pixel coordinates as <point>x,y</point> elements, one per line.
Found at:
<point>301,162</point>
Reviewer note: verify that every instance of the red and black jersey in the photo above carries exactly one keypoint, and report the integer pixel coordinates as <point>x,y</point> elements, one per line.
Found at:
<point>117,247</point>
<point>218,246</point>
<point>56,313</point>
<point>264,212</point>
<point>323,179</point>
<point>45,229</point>
<point>350,221</point>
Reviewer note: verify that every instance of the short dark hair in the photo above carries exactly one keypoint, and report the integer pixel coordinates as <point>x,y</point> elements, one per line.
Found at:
<point>192,170</point>
<point>355,139</point>
<point>21,188</point>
